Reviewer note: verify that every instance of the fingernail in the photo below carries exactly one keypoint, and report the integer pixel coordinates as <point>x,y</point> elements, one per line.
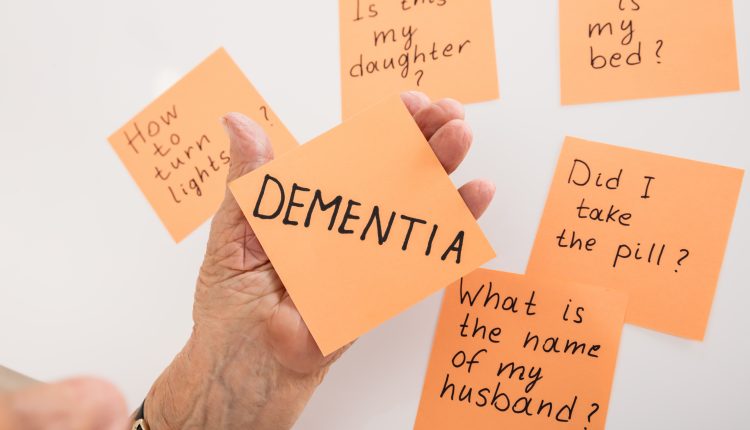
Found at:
<point>469,130</point>
<point>223,122</point>
<point>231,126</point>
<point>457,104</point>
<point>490,188</point>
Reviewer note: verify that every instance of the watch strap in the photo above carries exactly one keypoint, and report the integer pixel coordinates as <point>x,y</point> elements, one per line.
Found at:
<point>139,419</point>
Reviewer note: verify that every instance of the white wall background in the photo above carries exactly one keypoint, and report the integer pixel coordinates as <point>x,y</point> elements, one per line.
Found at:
<point>91,283</point>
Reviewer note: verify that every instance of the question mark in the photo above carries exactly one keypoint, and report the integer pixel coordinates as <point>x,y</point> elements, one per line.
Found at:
<point>660,44</point>
<point>265,114</point>
<point>685,253</point>
<point>595,407</point>
<point>420,74</point>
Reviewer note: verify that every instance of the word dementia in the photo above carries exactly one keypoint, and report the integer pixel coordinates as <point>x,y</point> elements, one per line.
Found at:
<point>273,204</point>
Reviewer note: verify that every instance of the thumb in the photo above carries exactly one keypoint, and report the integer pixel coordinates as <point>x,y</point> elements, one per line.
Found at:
<point>249,148</point>
<point>76,404</point>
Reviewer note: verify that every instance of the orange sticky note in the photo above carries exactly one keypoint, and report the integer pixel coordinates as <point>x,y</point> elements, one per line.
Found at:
<point>632,49</point>
<point>361,223</point>
<point>522,353</point>
<point>444,48</point>
<point>176,149</point>
<point>650,225</point>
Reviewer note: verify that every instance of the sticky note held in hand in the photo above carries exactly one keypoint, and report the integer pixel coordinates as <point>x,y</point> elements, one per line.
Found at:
<point>650,225</point>
<point>633,49</point>
<point>361,223</point>
<point>523,353</point>
<point>176,149</point>
<point>444,48</point>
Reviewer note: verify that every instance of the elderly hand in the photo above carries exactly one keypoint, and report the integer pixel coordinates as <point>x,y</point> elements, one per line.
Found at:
<point>251,362</point>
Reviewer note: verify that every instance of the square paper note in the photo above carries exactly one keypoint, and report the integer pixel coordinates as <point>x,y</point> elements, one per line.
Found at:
<point>522,353</point>
<point>444,48</point>
<point>361,223</point>
<point>650,225</point>
<point>177,151</point>
<point>634,49</point>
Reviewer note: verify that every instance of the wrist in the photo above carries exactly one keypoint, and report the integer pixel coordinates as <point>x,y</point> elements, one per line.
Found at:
<point>177,396</point>
<point>222,384</point>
